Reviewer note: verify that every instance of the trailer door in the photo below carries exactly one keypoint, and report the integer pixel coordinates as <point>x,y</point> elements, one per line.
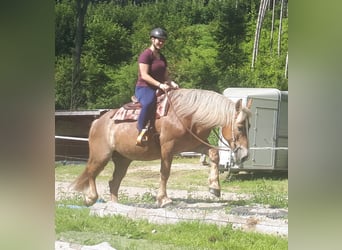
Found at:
<point>263,132</point>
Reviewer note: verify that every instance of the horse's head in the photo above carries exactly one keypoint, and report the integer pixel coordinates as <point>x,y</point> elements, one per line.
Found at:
<point>236,133</point>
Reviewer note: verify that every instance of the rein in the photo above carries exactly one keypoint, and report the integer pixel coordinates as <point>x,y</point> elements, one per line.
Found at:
<point>195,136</point>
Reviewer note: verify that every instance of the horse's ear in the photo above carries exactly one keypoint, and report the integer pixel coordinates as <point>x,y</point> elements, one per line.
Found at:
<point>249,104</point>
<point>238,105</point>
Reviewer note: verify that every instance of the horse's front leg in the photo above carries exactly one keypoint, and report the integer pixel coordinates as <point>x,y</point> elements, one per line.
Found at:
<point>165,168</point>
<point>214,182</point>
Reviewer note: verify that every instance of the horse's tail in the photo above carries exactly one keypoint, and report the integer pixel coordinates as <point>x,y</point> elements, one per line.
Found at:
<point>81,183</point>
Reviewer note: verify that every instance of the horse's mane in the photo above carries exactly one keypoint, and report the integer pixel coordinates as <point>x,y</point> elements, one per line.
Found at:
<point>205,107</point>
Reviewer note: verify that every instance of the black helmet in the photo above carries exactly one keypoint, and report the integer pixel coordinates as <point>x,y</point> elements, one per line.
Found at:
<point>158,33</point>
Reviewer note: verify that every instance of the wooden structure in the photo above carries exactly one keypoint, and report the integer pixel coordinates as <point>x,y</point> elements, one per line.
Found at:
<point>71,134</point>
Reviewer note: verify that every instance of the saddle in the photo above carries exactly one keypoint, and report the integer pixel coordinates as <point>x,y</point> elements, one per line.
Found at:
<point>130,111</point>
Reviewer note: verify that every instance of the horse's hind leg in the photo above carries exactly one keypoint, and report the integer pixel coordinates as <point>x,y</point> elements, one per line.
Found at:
<point>86,181</point>
<point>99,155</point>
<point>94,168</point>
<point>121,165</point>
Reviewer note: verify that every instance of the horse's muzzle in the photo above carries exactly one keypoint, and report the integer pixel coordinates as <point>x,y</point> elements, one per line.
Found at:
<point>240,155</point>
<point>245,158</point>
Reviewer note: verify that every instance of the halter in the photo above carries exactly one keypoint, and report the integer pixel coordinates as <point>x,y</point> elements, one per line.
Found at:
<point>235,117</point>
<point>233,134</point>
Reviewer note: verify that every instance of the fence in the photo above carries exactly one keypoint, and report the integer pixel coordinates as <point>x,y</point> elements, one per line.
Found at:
<point>71,130</point>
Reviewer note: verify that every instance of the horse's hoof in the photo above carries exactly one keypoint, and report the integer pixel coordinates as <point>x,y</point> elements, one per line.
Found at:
<point>89,202</point>
<point>216,192</point>
<point>164,202</point>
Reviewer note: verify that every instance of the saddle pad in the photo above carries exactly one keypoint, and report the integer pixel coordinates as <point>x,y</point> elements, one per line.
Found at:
<point>131,111</point>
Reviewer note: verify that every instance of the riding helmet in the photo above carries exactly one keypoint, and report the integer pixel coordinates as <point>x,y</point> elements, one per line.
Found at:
<point>158,33</point>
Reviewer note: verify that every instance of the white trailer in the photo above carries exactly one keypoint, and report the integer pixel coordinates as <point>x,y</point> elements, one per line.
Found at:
<point>268,134</point>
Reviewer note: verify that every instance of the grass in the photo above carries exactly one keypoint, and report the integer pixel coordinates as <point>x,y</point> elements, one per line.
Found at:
<point>77,226</point>
<point>275,196</point>
<point>74,224</point>
<point>71,171</point>
<point>179,179</point>
<point>266,191</point>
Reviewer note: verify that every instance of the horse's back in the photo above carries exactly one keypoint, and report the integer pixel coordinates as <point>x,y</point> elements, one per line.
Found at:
<point>98,126</point>
<point>104,117</point>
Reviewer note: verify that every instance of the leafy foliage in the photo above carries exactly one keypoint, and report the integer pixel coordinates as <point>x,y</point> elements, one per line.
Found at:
<point>210,47</point>
<point>64,28</point>
<point>107,41</point>
<point>63,74</point>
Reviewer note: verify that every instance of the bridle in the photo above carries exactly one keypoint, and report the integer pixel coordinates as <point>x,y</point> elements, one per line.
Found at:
<point>233,134</point>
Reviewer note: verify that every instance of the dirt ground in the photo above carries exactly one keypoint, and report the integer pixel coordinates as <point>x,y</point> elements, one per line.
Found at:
<point>188,205</point>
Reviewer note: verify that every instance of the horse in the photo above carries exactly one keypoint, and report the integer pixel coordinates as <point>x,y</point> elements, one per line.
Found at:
<point>192,114</point>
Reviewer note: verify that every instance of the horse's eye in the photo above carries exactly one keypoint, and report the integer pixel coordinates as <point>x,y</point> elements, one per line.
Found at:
<point>240,128</point>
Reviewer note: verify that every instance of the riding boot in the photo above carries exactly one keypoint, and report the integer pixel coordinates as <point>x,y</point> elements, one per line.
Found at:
<point>142,138</point>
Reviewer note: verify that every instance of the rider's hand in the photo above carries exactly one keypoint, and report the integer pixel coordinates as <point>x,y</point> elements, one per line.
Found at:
<point>164,87</point>
<point>174,85</point>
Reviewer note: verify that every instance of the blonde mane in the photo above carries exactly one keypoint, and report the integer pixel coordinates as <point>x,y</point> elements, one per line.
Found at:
<point>205,107</point>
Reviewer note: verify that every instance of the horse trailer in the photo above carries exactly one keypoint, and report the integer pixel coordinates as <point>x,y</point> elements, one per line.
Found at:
<point>268,133</point>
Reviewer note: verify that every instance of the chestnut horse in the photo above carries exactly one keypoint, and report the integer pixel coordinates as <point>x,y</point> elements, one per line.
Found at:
<point>192,114</point>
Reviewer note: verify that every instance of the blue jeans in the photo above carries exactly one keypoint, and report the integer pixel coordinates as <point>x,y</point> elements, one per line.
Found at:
<point>148,100</point>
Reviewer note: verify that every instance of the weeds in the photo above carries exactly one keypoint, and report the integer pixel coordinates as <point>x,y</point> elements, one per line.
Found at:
<point>77,225</point>
<point>74,224</point>
<point>266,194</point>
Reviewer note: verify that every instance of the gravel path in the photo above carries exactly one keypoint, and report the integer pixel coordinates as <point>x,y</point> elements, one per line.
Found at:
<point>199,205</point>
<point>187,205</point>
<point>72,246</point>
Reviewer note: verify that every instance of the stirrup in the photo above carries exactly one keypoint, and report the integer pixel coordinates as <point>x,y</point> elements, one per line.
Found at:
<point>142,138</point>
<point>134,99</point>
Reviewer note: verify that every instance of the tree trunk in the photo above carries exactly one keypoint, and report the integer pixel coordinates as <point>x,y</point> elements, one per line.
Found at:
<point>262,10</point>
<point>287,65</point>
<point>272,27</point>
<point>280,26</point>
<point>76,74</point>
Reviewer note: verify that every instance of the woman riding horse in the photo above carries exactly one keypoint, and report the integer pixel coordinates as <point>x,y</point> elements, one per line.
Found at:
<point>186,127</point>
<point>152,75</point>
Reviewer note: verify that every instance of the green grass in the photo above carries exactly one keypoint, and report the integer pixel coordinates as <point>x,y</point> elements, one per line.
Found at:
<point>71,171</point>
<point>273,195</point>
<point>179,179</point>
<point>77,226</point>
<point>74,224</point>
<point>266,191</point>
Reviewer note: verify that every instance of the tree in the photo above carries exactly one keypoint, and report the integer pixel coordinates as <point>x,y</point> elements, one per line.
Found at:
<point>81,8</point>
<point>198,68</point>
<point>272,27</point>
<point>280,26</point>
<point>230,33</point>
<point>64,28</point>
<point>106,41</point>
<point>261,15</point>
<point>209,46</point>
<point>63,74</point>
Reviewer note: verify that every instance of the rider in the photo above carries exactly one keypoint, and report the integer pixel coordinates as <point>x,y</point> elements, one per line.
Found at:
<point>153,75</point>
